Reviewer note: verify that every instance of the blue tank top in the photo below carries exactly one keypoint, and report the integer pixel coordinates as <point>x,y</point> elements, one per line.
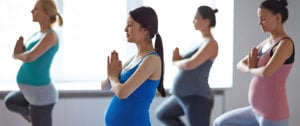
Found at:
<point>195,81</point>
<point>134,110</point>
<point>37,72</point>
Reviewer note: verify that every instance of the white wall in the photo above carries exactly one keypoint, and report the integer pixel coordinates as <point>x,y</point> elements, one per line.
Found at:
<point>90,111</point>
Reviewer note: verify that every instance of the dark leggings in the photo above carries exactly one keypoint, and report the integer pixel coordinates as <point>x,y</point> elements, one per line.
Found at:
<point>196,108</point>
<point>36,115</point>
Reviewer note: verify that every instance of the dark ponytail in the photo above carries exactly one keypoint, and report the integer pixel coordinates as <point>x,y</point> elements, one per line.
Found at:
<point>159,49</point>
<point>147,17</point>
<point>283,2</point>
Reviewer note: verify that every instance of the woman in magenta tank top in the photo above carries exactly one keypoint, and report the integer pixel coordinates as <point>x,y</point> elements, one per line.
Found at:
<point>270,64</point>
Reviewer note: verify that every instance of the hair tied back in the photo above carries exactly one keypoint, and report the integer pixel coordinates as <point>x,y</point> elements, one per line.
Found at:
<point>215,10</point>
<point>283,2</point>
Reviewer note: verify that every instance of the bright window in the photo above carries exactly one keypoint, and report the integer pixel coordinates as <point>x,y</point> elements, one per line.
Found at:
<point>177,30</point>
<point>93,28</point>
<point>16,20</point>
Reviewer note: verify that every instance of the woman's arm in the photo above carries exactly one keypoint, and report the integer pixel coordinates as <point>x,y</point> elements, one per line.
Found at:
<point>47,42</point>
<point>105,84</point>
<point>150,68</point>
<point>208,52</point>
<point>243,64</point>
<point>281,53</point>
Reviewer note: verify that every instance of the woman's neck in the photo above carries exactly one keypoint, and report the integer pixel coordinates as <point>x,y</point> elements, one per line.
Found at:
<point>145,48</point>
<point>45,27</point>
<point>206,33</point>
<point>276,36</point>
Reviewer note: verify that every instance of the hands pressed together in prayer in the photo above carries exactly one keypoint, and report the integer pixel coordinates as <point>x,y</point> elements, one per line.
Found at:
<point>176,55</point>
<point>114,65</point>
<point>253,58</point>
<point>19,47</point>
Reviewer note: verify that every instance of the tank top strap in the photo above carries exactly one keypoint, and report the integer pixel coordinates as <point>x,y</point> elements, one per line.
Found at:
<point>292,57</point>
<point>50,30</point>
<point>283,39</point>
<point>151,53</point>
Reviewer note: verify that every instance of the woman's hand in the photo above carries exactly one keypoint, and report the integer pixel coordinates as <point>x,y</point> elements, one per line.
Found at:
<point>176,55</point>
<point>114,66</point>
<point>19,47</point>
<point>253,58</point>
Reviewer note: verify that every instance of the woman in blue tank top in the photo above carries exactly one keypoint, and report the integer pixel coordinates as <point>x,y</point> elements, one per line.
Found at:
<point>191,94</point>
<point>135,84</point>
<point>37,95</point>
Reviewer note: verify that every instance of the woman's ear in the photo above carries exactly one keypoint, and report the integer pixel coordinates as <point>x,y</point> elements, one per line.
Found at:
<point>278,17</point>
<point>207,22</point>
<point>146,30</point>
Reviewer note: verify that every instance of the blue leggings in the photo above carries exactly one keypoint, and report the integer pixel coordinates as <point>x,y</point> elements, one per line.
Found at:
<point>36,115</point>
<point>246,117</point>
<point>196,108</point>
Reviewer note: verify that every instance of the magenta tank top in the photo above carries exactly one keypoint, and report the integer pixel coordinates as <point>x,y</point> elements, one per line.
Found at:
<point>267,95</point>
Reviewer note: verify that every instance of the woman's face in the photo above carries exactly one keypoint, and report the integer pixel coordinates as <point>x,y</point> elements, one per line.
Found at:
<point>199,22</point>
<point>267,20</point>
<point>38,14</point>
<point>134,31</point>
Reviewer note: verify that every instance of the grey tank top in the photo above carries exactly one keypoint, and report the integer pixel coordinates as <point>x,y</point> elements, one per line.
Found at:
<point>195,81</point>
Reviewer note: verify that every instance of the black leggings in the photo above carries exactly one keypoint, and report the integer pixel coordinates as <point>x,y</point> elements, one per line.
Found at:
<point>36,115</point>
<point>196,108</point>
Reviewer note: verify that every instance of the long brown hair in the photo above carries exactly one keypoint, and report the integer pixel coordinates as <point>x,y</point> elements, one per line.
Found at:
<point>146,16</point>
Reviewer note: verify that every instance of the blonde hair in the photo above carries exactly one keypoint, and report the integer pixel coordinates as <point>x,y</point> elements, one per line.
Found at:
<point>49,7</point>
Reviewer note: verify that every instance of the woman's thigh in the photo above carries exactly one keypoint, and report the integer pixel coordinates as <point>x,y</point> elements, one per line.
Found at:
<point>237,117</point>
<point>169,107</point>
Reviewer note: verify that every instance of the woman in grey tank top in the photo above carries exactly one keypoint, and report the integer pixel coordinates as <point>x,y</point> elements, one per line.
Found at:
<point>191,94</point>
